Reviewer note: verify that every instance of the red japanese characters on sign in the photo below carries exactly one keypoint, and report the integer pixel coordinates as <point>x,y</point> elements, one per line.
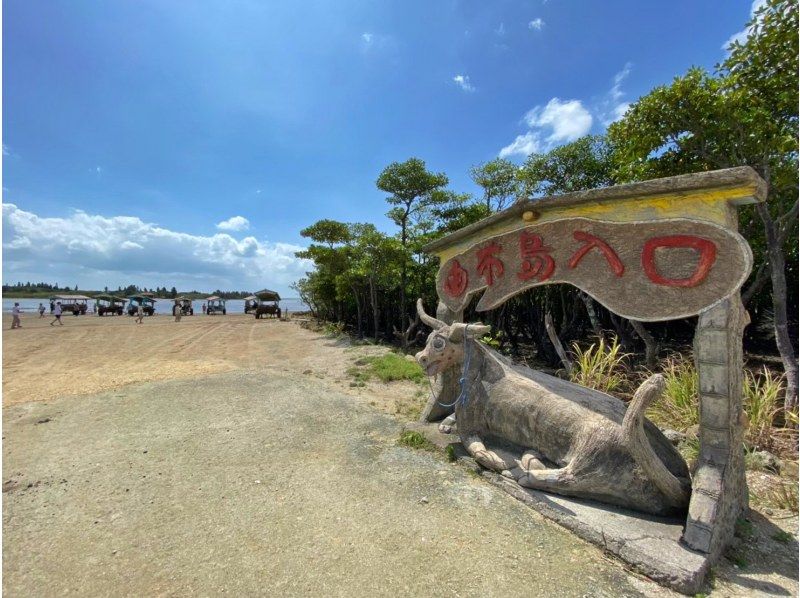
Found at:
<point>489,266</point>
<point>457,279</point>
<point>536,261</point>
<point>654,270</point>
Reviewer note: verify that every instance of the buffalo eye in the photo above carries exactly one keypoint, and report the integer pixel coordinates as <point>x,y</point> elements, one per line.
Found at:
<point>439,343</point>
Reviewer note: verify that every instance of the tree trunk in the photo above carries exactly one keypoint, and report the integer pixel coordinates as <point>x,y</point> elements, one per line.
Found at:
<point>650,344</point>
<point>592,313</point>
<point>551,332</point>
<point>359,329</point>
<point>777,264</point>
<point>374,302</point>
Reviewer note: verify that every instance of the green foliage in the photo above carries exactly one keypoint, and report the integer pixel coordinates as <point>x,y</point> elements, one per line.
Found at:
<point>498,179</point>
<point>600,366</point>
<point>415,440</point>
<point>387,368</point>
<point>782,537</point>
<point>761,394</point>
<point>450,453</point>
<point>743,529</point>
<point>679,407</point>
<point>583,164</point>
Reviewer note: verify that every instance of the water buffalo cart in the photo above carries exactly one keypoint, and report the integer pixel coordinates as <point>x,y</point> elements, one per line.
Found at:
<point>215,305</point>
<point>267,304</point>
<point>77,304</point>
<point>109,305</point>
<point>148,304</point>
<point>185,305</point>
<point>250,304</point>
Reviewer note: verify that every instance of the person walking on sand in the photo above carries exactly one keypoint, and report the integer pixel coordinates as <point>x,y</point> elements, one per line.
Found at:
<point>41,310</point>
<point>204,308</point>
<point>57,314</point>
<point>139,313</point>
<point>15,323</point>
<point>176,311</point>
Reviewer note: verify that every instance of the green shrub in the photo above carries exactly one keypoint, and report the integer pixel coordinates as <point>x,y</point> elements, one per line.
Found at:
<point>678,408</point>
<point>415,440</point>
<point>761,393</point>
<point>601,366</point>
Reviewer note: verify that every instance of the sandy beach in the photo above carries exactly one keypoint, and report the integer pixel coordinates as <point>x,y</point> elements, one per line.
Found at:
<point>90,354</point>
<point>224,455</point>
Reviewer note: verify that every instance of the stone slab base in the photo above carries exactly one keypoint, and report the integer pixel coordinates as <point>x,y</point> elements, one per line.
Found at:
<point>650,545</point>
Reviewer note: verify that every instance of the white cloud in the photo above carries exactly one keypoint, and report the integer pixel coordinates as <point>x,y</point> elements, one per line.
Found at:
<point>741,36</point>
<point>501,30</point>
<point>562,122</point>
<point>612,108</point>
<point>6,150</point>
<point>566,120</point>
<point>523,145</point>
<point>367,38</point>
<point>536,25</point>
<point>234,223</point>
<point>463,82</point>
<point>98,251</point>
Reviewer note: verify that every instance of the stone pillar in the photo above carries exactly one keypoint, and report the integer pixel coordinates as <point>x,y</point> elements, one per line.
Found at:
<point>445,387</point>
<point>719,489</point>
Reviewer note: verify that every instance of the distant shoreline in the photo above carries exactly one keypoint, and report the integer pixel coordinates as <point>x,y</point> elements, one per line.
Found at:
<point>92,294</point>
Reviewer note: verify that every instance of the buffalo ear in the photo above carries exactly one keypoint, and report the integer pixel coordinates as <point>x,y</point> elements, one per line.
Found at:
<point>476,330</point>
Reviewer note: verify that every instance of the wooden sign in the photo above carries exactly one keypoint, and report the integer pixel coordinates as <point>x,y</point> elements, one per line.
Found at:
<point>651,270</point>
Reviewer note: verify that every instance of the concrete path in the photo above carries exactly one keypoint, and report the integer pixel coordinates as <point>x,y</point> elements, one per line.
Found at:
<point>263,484</point>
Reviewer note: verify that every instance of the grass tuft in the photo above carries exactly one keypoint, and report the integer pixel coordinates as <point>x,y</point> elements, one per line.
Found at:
<point>415,440</point>
<point>386,368</point>
<point>450,453</point>
<point>679,407</point>
<point>782,537</point>
<point>600,366</point>
<point>761,392</point>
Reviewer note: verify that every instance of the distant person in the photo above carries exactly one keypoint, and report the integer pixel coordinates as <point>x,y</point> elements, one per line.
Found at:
<point>204,308</point>
<point>177,311</point>
<point>57,314</point>
<point>52,306</point>
<point>15,323</point>
<point>139,313</point>
<point>41,310</point>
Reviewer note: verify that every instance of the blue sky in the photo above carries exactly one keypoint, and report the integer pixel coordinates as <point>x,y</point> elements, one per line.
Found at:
<point>133,129</point>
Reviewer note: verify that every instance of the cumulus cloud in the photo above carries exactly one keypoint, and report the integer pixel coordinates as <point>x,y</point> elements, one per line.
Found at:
<point>234,223</point>
<point>463,82</point>
<point>523,145</point>
<point>536,25</point>
<point>741,36</point>
<point>566,120</point>
<point>98,251</point>
<point>552,124</point>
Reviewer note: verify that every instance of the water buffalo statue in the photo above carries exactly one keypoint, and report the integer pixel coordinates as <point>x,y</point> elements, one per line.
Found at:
<point>566,438</point>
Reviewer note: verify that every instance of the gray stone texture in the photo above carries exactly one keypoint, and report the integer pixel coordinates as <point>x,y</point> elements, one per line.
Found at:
<point>719,488</point>
<point>627,289</point>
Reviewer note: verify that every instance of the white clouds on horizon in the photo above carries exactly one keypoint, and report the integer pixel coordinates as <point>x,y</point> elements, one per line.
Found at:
<point>100,251</point>
<point>463,82</point>
<point>234,223</point>
<point>536,24</point>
